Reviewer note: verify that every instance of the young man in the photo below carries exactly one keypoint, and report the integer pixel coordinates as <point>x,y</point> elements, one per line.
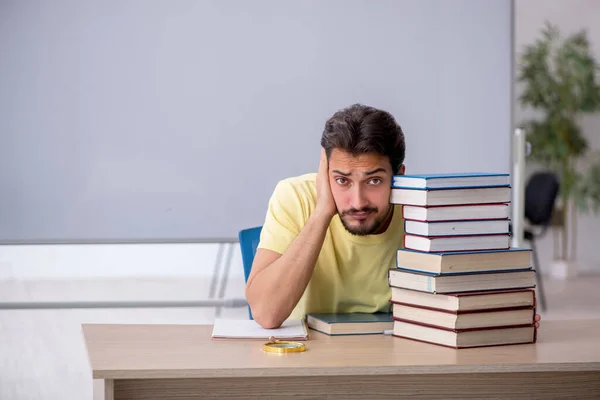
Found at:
<point>329,238</point>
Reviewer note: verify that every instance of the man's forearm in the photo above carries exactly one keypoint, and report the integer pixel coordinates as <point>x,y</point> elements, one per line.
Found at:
<point>275,291</point>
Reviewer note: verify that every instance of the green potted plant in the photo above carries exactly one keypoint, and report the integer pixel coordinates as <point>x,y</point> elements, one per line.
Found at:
<point>559,78</point>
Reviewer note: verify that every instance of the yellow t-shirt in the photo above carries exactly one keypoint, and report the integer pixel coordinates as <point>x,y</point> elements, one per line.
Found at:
<point>351,273</point>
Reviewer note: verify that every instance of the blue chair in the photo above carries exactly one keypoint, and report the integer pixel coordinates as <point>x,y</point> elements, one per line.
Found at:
<point>249,239</point>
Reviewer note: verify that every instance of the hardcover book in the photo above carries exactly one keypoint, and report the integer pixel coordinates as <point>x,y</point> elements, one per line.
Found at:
<point>461,180</point>
<point>350,323</point>
<point>456,228</point>
<point>455,196</point>
<point>463,282</point>
<point>462,302</point>
<point>463,320</point>
<point>466,338</point>
<point>457,243</point>
<point>463,261</point>
<point>459,212</point>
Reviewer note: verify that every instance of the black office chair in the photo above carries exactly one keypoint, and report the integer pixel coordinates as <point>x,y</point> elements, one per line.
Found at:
<point>540,194</point>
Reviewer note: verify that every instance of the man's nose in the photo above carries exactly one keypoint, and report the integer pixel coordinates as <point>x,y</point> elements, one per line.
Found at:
<point>359,200</point>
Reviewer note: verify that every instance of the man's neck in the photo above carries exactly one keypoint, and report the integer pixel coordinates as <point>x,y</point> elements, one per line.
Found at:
<point>386,222</point>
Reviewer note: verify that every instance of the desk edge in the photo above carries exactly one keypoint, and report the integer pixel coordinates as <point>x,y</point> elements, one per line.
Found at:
<point>347,371</point>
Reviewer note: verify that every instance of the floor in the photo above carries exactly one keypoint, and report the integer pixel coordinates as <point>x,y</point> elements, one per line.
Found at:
<point>42,354</point>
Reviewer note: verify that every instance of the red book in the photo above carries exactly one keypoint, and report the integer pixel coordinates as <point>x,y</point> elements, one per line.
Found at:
<point>445,319</point>
<point>465,302</point>
<point>465,338</point>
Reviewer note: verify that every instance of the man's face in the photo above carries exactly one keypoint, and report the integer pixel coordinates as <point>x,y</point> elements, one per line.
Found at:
<point>361,188</point>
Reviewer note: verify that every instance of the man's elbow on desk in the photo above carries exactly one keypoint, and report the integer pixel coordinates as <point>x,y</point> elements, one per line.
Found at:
<point>268,322</point>
<point>264,313</point>
<point>268,319</point>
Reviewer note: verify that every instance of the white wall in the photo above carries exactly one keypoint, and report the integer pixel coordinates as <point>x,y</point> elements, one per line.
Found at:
<point>570,16</point>
<point>153,120</point>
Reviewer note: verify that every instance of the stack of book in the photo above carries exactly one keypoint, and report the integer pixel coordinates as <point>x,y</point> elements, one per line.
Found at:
<point>457,281</point>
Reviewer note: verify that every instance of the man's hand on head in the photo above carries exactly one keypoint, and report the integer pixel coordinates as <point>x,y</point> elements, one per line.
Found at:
<point>325,203</point>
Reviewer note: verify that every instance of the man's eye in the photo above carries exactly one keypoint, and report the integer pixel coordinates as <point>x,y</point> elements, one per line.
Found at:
<point>341,181</point>
<point>375,181</point>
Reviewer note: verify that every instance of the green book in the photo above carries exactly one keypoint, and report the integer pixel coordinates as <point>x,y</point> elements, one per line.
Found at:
<point>350,323</point>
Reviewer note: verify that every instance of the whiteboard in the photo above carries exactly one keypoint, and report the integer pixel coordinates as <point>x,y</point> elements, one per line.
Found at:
<point>135,121</point>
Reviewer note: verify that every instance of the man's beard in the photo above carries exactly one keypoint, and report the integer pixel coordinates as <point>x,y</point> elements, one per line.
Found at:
<point>364,229</point>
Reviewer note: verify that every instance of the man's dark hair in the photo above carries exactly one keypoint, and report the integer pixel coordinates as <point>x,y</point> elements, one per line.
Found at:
<point>361,129</point>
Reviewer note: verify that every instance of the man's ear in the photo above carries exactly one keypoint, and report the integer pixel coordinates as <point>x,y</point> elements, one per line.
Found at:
<point>401,169</point>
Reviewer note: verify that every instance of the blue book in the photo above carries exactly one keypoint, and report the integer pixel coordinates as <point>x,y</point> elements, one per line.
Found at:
<point>335,324</point>
<point>451,180</point>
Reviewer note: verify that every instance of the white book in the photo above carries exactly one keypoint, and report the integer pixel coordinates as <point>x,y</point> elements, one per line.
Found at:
<point>456,228</point>
<point>440,197</point>
<point>456,212</point>
<point>466,282</point>
<point>456,243</point>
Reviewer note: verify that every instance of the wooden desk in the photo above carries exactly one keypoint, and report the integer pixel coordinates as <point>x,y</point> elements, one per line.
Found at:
<point>182,362</point>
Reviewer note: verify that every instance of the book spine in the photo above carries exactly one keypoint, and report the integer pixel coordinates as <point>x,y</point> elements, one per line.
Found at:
<point>466,329</point>
<point>466,347</point>
<point>462,312</point>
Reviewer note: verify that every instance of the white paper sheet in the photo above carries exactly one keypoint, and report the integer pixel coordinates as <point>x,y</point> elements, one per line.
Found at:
<point>250,329</point>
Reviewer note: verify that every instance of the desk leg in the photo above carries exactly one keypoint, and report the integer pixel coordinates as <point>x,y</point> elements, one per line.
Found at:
<point>109,389</point>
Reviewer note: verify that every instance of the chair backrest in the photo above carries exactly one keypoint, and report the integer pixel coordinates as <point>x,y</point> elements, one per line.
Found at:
<point>540,194</point>
<point>249,239</point>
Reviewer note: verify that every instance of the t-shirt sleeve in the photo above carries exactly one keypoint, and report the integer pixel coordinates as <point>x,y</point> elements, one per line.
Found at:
<point>284,219</point>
